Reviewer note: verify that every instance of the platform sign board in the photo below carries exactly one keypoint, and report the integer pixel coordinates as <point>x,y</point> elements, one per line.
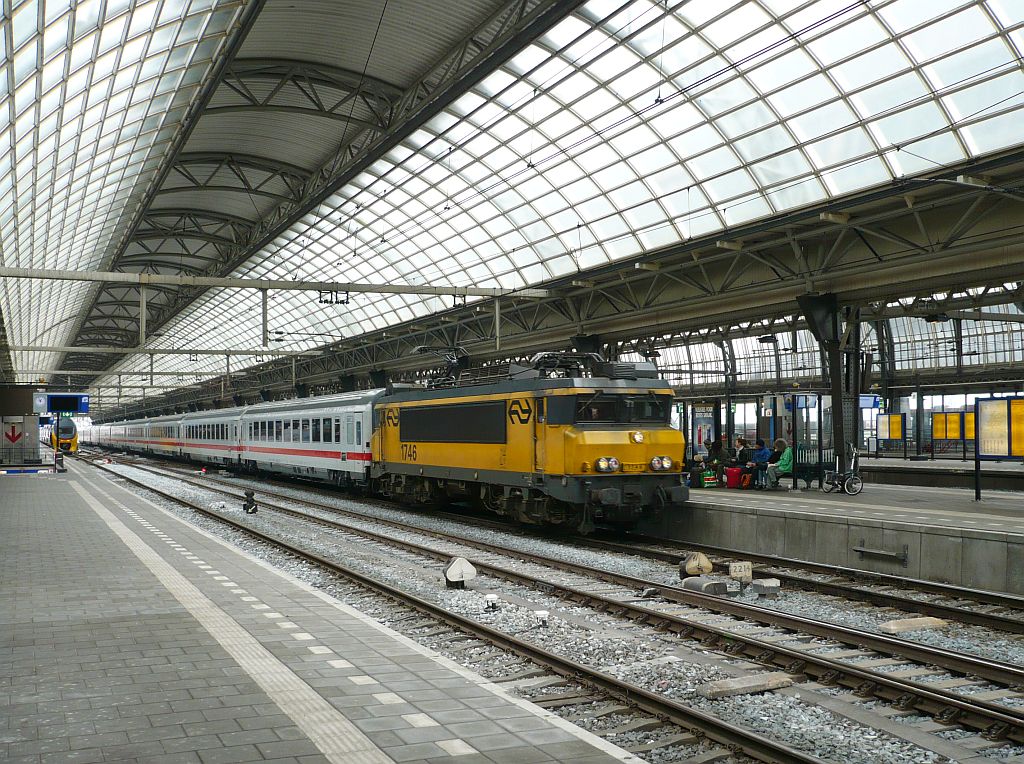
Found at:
<point>892,426</point>
<point>953,425</point>
<point>1000,428</point>
<point>67,403</point>
<point>998,432</point>
<point>19,440</point>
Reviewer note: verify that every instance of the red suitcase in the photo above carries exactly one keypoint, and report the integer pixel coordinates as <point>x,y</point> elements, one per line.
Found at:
<point>732,477</point>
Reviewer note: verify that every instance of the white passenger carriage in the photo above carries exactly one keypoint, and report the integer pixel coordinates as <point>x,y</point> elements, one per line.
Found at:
<point>212,436</point>
<point>326,438</point>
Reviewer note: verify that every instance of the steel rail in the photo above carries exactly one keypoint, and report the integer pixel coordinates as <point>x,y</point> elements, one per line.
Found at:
<point>994,720</point>
<point>736,738</point>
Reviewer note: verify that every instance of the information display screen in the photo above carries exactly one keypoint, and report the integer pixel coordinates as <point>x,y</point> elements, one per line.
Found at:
<point>67,404</point>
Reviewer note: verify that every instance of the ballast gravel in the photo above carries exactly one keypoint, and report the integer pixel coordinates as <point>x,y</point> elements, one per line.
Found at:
<point>803,726</point>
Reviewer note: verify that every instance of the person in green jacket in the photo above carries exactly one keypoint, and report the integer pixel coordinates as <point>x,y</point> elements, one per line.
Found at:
<point>780,463</point>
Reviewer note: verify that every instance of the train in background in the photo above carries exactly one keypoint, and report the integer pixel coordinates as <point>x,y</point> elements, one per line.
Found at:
<point>569,440</point>
<point>63,437</point>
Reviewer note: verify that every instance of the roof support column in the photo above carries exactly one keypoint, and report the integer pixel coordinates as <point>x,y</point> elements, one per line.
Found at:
<point>497,323</point>
<point>142,315</point>
<point>265,314</point>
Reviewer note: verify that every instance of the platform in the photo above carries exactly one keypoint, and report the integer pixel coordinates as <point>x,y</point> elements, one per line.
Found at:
<point>942,473</point>
<point>130,635</point>
<point>936,534</point>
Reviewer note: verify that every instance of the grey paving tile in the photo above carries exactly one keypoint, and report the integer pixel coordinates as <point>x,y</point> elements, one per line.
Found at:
<point>569,749</point>
<point>287,748</point>
<point>408,753</point>
<point>249,736</point>
<point>156,733</point>
<point>239,753</point>
<point>521,755</point>
<point>496,742</point>
<point>412,735</point>
<point>133,751</point>
<point>89,756</point>
<point>216,727</point>
<point>193,743</point>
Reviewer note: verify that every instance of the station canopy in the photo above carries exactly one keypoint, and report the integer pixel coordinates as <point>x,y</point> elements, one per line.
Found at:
<point>627,127</point>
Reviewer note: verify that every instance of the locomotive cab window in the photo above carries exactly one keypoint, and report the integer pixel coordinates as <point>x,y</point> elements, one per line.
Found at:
<point>622,409</point>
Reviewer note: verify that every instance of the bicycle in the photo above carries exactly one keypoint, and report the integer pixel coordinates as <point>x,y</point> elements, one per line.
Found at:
<point>846,480</point>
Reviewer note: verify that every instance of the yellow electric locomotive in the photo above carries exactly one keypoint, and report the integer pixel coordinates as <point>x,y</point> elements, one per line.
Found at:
<point>64,437</point>
<point>570,440</point>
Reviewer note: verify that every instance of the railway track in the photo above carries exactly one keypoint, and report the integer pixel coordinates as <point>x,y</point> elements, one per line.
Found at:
<point>1004,612</point>
<point>994,610</point>
<point>677,611</point>
<point>731,737</point>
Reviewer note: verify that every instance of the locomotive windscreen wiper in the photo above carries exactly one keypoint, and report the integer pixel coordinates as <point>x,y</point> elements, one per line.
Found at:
<point>583,406</point>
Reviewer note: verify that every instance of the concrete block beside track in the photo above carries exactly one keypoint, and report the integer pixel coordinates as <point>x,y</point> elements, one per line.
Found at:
<point>745,685</point>
<point>706,585</point>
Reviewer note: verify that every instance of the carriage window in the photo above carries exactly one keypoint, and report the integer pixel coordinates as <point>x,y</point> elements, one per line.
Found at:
<point>278,430</point>
<point>350,430</point>
<point>287,430</point>
<point>327,430</point>
<point>295,431</point>
<point>337,431</point>
<point>316,430</point>
<point>305,431</point>
<point>250,430</point>
<point>359,432</point>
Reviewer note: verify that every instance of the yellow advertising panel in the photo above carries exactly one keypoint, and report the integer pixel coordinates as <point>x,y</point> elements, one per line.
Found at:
<point>890,426</point>
<point>993,428</point>
<point>896,426</point>
<point>953,426</point>
<point>938,426</point>
<point>969,425</point>
<point>1017,427</point>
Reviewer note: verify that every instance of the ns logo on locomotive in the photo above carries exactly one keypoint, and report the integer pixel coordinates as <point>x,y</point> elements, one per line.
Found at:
<point>567,440</point>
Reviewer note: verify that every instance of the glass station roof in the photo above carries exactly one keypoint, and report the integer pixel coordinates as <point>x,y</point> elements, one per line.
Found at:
<point>631,126</point>
<point>994,338</point>
<point>91,93</point>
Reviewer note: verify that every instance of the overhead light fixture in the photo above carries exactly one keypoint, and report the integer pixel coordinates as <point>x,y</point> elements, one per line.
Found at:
<point>934,318</point>
<point>767,339</point>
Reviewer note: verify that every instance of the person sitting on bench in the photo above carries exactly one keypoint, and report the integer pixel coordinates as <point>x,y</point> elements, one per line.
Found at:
<point>780,463</point>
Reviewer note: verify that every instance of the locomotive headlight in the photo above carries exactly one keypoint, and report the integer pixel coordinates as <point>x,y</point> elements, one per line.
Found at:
<point>602,464</point>
<point>637,437</point>
<point>661,463</point>
<point>613,464</point>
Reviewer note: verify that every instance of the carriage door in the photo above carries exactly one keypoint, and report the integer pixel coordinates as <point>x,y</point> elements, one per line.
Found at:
<point>539,435</point>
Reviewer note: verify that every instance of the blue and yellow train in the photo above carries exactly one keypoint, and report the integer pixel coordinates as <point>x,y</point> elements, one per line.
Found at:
<point>64,437</point>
